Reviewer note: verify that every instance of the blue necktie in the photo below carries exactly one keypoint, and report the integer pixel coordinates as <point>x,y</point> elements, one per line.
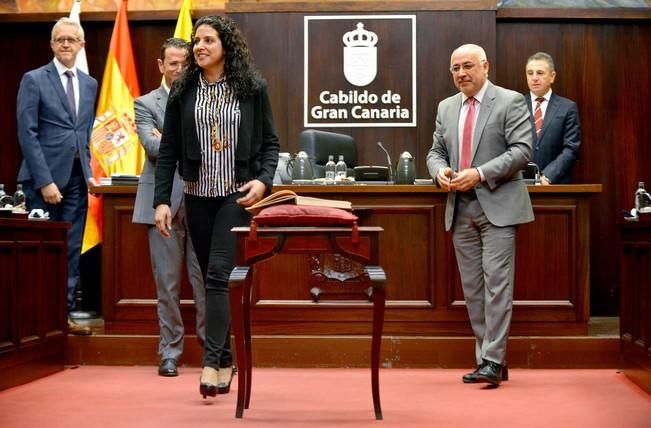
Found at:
<point>70,94</point>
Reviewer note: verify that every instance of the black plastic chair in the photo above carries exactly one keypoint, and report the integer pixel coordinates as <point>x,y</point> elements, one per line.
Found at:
<point>319,144</point>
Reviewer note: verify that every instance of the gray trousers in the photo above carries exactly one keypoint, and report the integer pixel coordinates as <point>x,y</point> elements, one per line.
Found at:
<point>168,255</point>
<point>486,259</point>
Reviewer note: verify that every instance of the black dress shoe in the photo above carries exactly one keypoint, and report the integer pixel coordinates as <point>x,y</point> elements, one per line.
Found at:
<point>472,377</point>
<point>492,373</point>
<point>168,368</point>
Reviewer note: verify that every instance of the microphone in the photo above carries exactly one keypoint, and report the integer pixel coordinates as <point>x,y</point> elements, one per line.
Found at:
<point>390,176</point>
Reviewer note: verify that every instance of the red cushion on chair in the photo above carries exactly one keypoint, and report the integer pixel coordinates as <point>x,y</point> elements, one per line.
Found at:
<point>303,215</point>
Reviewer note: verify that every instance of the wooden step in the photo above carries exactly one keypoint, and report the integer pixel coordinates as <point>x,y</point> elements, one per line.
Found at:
<point>354,351</point>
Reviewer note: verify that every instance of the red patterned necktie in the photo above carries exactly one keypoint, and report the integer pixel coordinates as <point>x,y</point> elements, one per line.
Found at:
<point>537,116</point>
<point>466,148</point>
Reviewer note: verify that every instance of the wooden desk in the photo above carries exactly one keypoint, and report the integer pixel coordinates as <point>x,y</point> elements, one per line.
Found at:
<point>635,318</point>
<point>312,241</point>
<point>424,295</point>
<point>33,305</point>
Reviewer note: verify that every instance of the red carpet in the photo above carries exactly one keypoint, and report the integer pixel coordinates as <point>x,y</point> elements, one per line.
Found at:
<point>116,397</point>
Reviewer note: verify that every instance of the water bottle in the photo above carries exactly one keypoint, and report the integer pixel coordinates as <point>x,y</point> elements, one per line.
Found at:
<point>19,197</point>
<point>330,169</point>
<point>642,199</point>
<point>340,169</point>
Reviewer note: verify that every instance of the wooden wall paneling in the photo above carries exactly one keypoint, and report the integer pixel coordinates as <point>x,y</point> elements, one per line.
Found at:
<point>424,294</point>
<point>599,102</point>
<point>29,269</point>
<point>34,282</point>
<point>147,38</point>
<point>270,44</point>
<point>55,274</point>
<point>129,292</point>
<point>612,124</point>
<point>410,277</point>
<point>8,304</point>
<point>29,48</point>
<point>551,239</point>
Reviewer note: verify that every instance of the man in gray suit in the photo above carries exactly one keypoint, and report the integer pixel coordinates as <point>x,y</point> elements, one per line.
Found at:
<point>167,254</point>
<point>557,128</point>
<point>482,141</point>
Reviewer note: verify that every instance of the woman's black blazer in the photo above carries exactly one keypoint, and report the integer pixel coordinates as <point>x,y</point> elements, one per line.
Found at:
<point>256,156</point>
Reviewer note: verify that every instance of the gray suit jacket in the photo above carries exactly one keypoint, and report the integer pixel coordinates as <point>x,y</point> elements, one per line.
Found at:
<point>503,147</point>
<point>48,133</point>
<point>150,114</point>
<point>557,149</point>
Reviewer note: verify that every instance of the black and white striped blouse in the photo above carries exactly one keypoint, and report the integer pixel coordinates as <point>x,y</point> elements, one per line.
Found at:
<point>217,117</point>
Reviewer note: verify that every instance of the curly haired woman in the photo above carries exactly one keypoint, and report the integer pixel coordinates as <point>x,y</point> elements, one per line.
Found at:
<point>219,129</point>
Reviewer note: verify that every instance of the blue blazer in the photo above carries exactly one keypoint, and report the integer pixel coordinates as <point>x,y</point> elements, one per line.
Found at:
<point>48,134</point>
<point>557,149</point>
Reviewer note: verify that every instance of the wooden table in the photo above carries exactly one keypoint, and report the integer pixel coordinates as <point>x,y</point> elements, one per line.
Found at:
<point>359,244</point>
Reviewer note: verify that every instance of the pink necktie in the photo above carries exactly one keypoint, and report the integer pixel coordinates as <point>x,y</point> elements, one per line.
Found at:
<point>537,116</point>
<point>466,148</point>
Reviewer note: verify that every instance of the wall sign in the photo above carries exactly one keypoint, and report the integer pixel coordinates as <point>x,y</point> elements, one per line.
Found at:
<point>360,71</point>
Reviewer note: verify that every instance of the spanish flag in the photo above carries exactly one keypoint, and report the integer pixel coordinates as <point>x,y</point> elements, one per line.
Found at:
<point>114,144</point>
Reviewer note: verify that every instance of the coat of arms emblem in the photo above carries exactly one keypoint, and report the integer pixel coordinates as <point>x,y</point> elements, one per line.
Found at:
<point>360,56</point>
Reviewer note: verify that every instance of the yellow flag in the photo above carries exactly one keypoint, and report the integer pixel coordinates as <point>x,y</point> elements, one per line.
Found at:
<point>183,28</point>
<point>184,23</point>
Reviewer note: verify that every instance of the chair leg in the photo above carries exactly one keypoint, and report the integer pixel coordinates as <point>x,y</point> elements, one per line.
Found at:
<point>246,306</point>
<point>378,279</point>
<point>235,286</point>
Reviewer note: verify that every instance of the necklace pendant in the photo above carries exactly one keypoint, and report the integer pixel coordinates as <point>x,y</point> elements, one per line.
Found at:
<point>217,144</point>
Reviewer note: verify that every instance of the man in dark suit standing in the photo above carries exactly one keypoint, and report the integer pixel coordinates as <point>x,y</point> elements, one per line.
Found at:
<point>557,128</point>
<point>55,111</point>
<point>482,140</point>
<point>167,254</point>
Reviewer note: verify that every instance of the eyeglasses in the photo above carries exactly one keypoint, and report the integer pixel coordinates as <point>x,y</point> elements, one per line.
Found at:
<point>62,40</point>
<point>466,66</point>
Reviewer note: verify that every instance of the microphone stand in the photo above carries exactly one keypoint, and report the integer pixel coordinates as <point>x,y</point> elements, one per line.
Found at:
<point>390,175</point>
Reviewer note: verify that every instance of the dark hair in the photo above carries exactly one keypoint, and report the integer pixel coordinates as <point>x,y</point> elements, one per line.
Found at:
<point>239,70</point>
<point>174,42</point>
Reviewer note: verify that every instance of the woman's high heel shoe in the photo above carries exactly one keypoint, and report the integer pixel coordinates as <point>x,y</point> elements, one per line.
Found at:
<point>224,379</point>
<point>208,382</point>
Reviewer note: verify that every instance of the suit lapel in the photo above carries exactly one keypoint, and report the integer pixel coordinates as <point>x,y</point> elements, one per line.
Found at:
<point>549,114</point>
<point>484,113</point>
<point>188,103</point>
<point>454,151</point>
<point>161,100</point>
<point>55,80</point>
